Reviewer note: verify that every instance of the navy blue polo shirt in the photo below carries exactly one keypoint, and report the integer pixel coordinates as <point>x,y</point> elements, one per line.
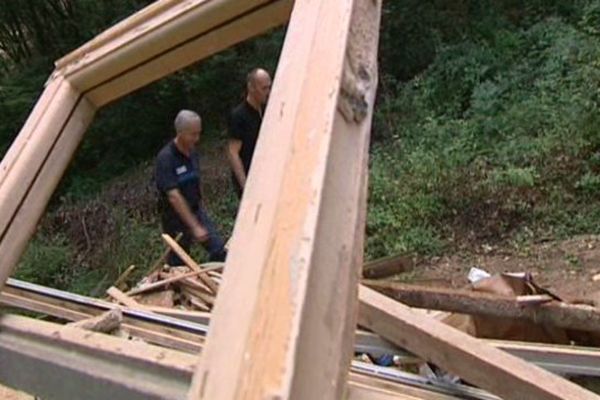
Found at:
<point>174,170</point>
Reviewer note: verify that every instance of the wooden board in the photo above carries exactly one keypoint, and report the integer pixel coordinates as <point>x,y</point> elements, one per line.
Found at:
<point>190,262</point>
<point>25,135</point>
<point>174,27</point>
<point>292,305</point>
<point>37,171</point>
<point>128,24</point>
<point>250,25</point>
<point>491,369</point>
<point>150,332</point>
<point>571,316</point>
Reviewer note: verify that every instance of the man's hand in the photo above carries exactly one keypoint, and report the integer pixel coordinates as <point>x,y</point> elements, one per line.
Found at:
<point>200,234</point>
<point>187,216</point>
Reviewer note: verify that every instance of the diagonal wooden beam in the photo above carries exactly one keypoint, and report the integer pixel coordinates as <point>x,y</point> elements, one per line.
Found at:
<point>252,23</point>
<point>151,45</point>
<point>300,228</point>
<point>37,171</point>
<point>502,374</point>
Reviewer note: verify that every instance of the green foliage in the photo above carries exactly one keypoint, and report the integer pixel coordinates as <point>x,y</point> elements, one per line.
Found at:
<point>589,184</point>
<point>47,262</point>
<point>499,135</point>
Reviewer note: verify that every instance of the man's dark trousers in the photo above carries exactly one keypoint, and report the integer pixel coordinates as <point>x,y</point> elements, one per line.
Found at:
<point>214,245</point>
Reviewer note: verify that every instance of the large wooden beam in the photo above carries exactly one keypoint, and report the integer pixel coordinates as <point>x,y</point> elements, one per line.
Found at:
<point>37,170</point>
<point>150,46</point>
<point>60,362</point>
<point>248,25</point>
<point>299,231</point>
<point>570,316</point>
<point>461,354</point>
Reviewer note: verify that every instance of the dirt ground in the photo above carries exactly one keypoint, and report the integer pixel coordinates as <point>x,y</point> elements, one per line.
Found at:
<point>566,267</point>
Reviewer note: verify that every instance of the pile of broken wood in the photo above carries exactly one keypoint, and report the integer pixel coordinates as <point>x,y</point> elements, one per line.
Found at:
<point>190,287</point>
<point>407,335</point>
<point>508,308</point>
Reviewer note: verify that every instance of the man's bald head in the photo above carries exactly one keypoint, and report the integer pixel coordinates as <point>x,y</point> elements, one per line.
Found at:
<point>258,84</point>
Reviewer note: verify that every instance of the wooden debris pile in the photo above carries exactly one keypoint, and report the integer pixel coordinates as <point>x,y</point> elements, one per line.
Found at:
<point>191,287</point>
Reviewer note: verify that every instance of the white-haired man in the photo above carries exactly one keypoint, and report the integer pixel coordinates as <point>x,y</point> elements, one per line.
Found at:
<point>177,177</point>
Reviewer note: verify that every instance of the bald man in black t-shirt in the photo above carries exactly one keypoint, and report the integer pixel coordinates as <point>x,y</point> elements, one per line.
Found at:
<point>244,126</point>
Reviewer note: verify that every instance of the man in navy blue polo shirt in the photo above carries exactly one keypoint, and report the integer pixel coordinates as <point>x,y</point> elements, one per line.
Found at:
<point>177,177</point>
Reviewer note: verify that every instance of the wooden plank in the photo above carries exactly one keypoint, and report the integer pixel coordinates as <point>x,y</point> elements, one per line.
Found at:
<point>59,362</point>
<point>291,307</point>
<point>489,368</point>
<point>385,267</point>
<point>150,332</point>
<point>186,54</point>
<point>12,300</point>
<point>24,167</point>
<point>123,298</point>
<point>185,257</point>
<point>54,361</point>
<point>130,23</point>
<point>199,317</point>
<point>161,284</point>
<point>570,316</point>
<point>160,263</point>
<point>25,135</point>
<point>26,191</point>
<point>174,27</point>
<point>388,388</point>
<point>358,391</point>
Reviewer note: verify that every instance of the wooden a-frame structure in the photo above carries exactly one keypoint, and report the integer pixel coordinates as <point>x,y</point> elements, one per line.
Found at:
<point>283,325</point>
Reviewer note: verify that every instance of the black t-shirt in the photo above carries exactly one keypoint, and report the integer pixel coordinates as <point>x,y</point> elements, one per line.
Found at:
<point>174,170</point>
<point>244,125</point>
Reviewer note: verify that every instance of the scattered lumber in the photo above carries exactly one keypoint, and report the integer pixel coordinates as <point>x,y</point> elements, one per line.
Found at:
<point>388,266</point>
<point>159,264</point>
<point>190,262</point>
<point>104,323</point>
<point>485,366</point>
<point>76,308</point>
<point>570,316</point>
<point>123,298</point>
<point>161,284</point>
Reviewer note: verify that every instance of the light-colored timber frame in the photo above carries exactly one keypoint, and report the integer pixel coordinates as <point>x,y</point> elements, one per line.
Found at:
<point>283,325</point>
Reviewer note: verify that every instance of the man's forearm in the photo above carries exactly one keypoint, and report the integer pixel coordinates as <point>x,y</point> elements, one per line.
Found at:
<point>238,168</point>
<point>183,210</point>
